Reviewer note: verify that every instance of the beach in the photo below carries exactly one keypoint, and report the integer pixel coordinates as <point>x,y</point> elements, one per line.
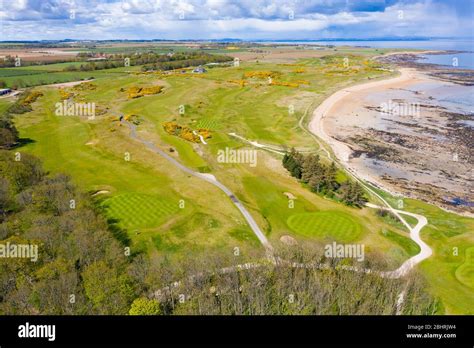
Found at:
<point>401,135</point>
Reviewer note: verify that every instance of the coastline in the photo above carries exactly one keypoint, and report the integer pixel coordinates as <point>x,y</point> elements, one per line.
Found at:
<point>340,149</point>
<point>334,111</point>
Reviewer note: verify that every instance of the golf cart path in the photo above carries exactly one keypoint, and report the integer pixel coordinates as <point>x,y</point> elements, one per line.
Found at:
<point>208,178</point>
<point>271,148</point>
<point>425,250</point>
<point>342,153</point>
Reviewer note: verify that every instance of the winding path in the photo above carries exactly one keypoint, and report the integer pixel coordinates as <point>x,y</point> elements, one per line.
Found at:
<point>342,153</point>
<point>208,178</point>
<point>341,150</point>
<point>425,250</point>
<point>271,148</point>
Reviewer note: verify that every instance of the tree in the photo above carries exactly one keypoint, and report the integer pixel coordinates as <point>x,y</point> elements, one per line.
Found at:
<point>144,306</point>
<point>70,68</point>
<point>279,289</point>
<point>6,123</point>
<point>7,138</point>
<point>78,252</point>
<point>5,196</point>
<point>293,162</point>
<point>313,172</point>
<point>353,194</point>
<point>18,83</point>
<point>359,195</point>
<point>330,177</point>
<point>108,289</point>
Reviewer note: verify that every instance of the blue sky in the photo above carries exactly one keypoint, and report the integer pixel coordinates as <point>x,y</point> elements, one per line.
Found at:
<point>243,19</point>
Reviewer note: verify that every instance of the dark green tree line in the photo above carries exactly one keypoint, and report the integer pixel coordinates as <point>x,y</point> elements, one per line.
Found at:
<point>321,178</point>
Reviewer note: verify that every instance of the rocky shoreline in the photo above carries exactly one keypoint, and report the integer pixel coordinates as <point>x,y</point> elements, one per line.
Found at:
<point>426,153</point>
<point>459,76</point>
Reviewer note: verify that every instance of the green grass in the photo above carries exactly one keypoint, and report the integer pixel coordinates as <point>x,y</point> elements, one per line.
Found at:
<point>409,246</point>
<point>134,210</point>
<point>5,104</point>
<point>132,49</point>
<point>465,272</point>
<point>37,75</point>
<point>208,123</point>
<point>145,186</point>
<point>244,235</point>
<point>450,236</point>
<point>41,68</point>
<point>144,192</point>
<point>7,72</point>
<point>326,224</point>
<point>163,243</point>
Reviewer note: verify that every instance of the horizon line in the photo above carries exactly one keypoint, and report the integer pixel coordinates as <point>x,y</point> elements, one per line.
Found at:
<point>409,38</point>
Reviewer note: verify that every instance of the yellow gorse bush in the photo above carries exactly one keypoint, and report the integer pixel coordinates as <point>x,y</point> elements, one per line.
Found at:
<point>65,94</point>
<point>285,84</point>
<point>137,92</point>
<point>261,74</point>
<point>31,98</point>
<point>185,132</point>
<point>241,83</point>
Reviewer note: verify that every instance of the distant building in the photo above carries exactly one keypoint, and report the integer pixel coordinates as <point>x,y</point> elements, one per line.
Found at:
<point>4,91</point>
<point>199,70</point>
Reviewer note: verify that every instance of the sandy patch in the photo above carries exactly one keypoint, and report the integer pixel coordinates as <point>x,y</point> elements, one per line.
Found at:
<point>67,84</point>
<point>101,192</point>
<point>92,142</point>
<point>411,152</point>
<point>288,240</point>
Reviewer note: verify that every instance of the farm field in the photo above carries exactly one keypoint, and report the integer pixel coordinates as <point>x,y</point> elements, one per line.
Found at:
<point>161,210</point>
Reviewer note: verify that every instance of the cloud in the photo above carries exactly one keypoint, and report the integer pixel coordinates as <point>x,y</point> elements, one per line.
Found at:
<point>246,19</point>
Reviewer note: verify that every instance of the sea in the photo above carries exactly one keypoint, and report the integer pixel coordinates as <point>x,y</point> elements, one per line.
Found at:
<point>455,98</point>
<point>463,60</point>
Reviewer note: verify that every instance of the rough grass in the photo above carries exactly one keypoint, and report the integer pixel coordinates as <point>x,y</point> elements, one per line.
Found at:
<point>209,219</point>
<point>465,272</point>
<point>409,246</point>
<point>451,237</point>
<point>94,157</point>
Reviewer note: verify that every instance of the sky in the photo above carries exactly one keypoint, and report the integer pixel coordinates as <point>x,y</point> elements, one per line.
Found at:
<point>240,19</point>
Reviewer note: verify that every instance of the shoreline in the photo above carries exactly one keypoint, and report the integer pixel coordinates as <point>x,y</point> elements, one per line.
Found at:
<point>340,149</point>
<point>318,125</point>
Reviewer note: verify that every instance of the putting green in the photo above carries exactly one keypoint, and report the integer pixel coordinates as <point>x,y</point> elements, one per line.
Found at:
<point>134,210</point>
<point>333,224</point>
<point>208,123</point>
<point>465,272</point>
